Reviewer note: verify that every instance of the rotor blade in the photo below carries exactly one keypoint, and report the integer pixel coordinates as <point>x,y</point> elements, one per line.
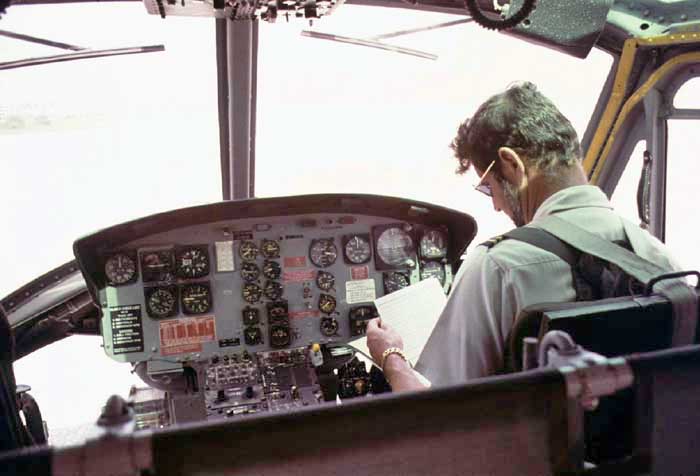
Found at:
<point>41,41</point>
<point>368,43</point>
<point>424,28</point>
<point>80,55</point>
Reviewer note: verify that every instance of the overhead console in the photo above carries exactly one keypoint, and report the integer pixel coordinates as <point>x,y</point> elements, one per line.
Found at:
<point>232,287</point>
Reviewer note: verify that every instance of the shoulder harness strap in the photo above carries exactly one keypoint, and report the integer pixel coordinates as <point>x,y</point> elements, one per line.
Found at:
<point>540,239</point>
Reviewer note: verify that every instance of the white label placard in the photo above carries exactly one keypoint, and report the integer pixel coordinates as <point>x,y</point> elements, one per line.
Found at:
<point>224,257</point>
<point>361,290</point>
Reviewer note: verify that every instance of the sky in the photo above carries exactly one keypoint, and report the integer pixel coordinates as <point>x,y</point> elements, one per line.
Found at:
<point>94,143</point>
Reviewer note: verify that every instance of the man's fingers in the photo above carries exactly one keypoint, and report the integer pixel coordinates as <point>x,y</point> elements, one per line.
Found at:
<point>374,324</point>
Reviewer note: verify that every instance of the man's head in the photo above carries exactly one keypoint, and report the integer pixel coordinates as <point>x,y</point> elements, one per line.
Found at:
<point>532,149</point>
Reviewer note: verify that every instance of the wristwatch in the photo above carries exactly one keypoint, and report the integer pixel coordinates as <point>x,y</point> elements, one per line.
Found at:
<point>397,351</point>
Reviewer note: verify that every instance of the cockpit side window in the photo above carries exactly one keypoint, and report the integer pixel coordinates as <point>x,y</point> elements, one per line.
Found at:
<point>624,198</point>
<point>682,181</point>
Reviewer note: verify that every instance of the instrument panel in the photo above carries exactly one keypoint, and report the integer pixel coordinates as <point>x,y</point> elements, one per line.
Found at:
<point>275,280</point>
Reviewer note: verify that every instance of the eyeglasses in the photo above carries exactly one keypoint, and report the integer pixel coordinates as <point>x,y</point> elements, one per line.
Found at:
<point>482,187</point>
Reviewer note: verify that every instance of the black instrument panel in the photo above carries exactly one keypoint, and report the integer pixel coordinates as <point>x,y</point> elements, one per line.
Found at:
<point>262,274</point>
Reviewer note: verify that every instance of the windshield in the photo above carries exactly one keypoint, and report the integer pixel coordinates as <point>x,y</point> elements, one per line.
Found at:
<point>92,143</point>
<point>334,117</point>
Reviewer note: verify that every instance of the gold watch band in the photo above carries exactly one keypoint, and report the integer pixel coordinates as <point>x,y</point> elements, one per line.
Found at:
<point>397,351</point>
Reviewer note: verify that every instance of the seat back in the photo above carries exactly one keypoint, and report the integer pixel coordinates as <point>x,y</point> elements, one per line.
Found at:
<point>667,410</point>
<point>516,425</point>
<point>610,327</point>
<point>510,425</point>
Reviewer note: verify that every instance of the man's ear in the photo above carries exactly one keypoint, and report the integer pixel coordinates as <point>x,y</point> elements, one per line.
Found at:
<point>511,167</point>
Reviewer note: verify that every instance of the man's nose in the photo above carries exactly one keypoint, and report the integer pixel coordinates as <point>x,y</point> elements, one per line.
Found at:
<point>495,205</point>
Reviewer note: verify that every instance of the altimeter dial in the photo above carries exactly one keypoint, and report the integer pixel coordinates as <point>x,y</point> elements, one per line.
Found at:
<point>196,298</point>
<point>192,262</point>
<point>120,269</point>
<point>357,249</point>
<point>161,302</point>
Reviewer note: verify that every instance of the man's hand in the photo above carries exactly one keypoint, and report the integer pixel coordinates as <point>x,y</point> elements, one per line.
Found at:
<point>380,337</point>
<point>400,375</point>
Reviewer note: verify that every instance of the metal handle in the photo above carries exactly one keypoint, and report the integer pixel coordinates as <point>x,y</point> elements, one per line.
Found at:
<point>679,274</point>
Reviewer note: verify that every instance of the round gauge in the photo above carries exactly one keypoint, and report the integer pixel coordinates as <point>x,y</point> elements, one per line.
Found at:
<point>251,293</point>
<point>157,265</point>
<point>329,326</point>
<point>325,280</point>
<point>363,312</point>
<point>326,303</point>
<point>272,270</point>
<point>395,247</point>
<point>277,311</point>
<point>251,316</point>
<point>358,318</point>
<point>161,302</point>
<point>323,252</point>
<point>249,272</point>
<point>280,336</point>
<point>394,281</point>
<point>270,249</point>
<point>196,298</point>
<point>248,250</point>
<point>193,262</point>
<point>432,269</point>
<point>120,269</point>
<point>273,290</point>
<point>252,336</point>
<point>433,244</point>
<point>357,249</point>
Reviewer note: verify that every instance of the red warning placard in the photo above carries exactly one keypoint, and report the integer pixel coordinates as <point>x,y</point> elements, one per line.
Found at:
<point>298,276</point>
<point>295,261</point>
<point>186,334</point>
<point>302,314</point>
<point>359,272</point>
<point>181,349</point>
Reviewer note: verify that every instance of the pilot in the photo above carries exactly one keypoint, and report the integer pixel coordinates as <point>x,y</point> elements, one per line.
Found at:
<point>528,159</point>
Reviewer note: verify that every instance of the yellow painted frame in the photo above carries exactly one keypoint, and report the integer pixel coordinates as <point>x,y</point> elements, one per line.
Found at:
<point>616,112</point>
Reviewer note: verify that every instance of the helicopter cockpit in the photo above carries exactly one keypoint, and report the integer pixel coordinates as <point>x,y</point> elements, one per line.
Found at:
<point>240,321</point>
